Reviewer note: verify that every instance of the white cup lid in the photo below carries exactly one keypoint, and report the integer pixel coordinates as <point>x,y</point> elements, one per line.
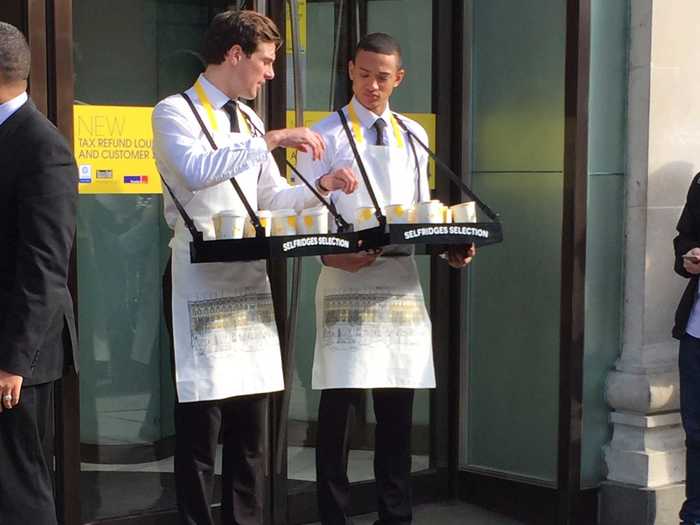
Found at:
<point>232,213</point>
<point>282,213</point>
<point>314,211</point>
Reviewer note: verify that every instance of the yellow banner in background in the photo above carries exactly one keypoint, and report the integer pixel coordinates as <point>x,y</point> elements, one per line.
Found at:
<point>113,149</point>
<point>427,120</point>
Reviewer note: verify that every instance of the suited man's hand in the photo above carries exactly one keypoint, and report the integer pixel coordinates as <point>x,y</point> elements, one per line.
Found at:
<point>10,385</point>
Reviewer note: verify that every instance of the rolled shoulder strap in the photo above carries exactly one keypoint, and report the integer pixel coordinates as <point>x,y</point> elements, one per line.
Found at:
<point>448,171</point>
<point>412,144</point>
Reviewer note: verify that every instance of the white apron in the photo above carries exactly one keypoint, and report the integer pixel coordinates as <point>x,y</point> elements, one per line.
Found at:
<point>225,336</point>
<point>372,327</point>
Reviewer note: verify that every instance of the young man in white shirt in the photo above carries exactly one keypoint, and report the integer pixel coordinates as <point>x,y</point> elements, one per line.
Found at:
<point>226,348</point>
<point>372,327</point>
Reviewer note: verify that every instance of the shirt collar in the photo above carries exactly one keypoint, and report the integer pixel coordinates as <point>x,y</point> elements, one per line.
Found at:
<point>216,96</point>
<point>367,118</point>
<point>8,108</point>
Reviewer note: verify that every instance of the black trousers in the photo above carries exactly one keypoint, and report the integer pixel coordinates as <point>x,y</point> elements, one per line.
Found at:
<point>26,435</point>
<point>393,409</point>
<point>241,423</point>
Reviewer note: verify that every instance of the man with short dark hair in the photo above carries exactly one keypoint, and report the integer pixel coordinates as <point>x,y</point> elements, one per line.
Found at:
<point>372,328</point>
<point>38,198</point>
<point>214,156</point>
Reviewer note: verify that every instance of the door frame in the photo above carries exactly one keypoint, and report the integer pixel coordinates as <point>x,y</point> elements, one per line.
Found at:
<point>566,503</point>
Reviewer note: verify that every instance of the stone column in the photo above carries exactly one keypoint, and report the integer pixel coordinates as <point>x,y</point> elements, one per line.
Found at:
<point>646,457</point>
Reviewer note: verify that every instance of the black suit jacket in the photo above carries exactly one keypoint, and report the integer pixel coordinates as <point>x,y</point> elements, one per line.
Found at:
<point>688,238</point>
<point>38,200</point>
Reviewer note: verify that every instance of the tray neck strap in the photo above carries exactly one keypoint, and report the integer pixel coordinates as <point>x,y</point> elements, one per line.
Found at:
<point>415,158</point>
<point>259,230</point>
<point>448,171</point>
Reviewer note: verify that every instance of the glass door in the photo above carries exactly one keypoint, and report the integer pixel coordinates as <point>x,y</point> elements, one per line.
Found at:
<point>128,56</point>
<point>328,32</point>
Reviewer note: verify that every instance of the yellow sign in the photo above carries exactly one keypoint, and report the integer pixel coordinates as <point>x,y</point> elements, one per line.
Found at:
<point>427,120</point>
<point>301,17</point>
<point>113,149</point>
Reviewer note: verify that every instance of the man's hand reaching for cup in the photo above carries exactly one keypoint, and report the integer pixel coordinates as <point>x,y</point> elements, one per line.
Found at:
<point>302,139</point>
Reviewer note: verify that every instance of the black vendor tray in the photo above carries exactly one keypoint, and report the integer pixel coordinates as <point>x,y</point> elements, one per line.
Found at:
<point>254,248</point>
<point>429,239</point>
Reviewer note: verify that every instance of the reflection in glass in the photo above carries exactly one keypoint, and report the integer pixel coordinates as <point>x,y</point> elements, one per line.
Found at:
<point>131,55</point>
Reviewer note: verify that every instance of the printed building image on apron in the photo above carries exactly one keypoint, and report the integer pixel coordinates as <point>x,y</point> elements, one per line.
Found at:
<point>242,323</point>
<point>355,319</point>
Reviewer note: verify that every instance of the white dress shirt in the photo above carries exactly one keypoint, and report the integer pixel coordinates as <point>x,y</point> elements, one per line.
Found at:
<point>199,176</point>
<point>8,108</point>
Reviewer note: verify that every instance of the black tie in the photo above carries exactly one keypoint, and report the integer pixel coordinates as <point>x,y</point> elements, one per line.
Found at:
<point>379,125</point>
<point>230,108</point>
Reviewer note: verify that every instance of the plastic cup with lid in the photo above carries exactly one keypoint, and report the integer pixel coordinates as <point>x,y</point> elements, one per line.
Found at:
<point>229,224</point>
<point>365,218</point>
<point>430,212</point>
<point>313,220</point>
<point>397,213</point>
<point>283,222</point>
<point>464,212</point>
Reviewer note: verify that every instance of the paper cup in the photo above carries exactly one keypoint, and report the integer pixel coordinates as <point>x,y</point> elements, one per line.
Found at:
<point>248,230</point>
<point>430,212</point>
<point>283,222</point>
<point>264,218</point>
<point>208,228</point>
<point>397,213</point>
<point>465,212</point>
<point>365,218</point>
<point>313,220</point>
<point>412,215</point>
<point>229,224</point>
<point>446,214</point>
